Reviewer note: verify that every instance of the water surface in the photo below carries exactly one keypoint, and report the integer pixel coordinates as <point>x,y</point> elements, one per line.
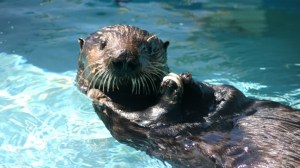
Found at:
<point>45,122</point>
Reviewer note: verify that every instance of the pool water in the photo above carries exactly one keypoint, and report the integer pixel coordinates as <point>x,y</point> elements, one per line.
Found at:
<point>46,122</point>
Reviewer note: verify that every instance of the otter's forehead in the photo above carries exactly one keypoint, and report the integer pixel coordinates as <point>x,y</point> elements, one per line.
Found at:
<point>123,36</point>
<point>124,32</point>
<point>120,35</point>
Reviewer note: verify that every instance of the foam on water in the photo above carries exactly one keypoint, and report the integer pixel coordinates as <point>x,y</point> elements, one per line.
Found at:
<point>46,122</point>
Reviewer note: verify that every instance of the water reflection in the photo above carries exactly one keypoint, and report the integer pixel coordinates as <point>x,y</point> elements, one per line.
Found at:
<point>239,40</point>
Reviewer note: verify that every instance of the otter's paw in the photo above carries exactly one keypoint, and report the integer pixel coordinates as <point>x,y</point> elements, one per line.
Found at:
<point>186,77</point>
<point>172,85</point>
<point>97,96</point>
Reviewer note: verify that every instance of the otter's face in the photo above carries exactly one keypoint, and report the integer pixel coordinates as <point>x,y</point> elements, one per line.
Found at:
<point>123,57</point>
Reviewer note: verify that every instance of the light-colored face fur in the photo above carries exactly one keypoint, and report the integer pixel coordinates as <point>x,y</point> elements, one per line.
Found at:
<point>99,51</point>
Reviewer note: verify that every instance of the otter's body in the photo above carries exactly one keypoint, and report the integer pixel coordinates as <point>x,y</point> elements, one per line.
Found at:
<point>174,118</point>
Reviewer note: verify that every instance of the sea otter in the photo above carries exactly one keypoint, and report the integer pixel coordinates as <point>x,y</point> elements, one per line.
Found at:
<point>175,118</point>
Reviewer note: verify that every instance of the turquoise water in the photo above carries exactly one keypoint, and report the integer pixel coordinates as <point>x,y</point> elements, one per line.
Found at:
<point>45,122</point>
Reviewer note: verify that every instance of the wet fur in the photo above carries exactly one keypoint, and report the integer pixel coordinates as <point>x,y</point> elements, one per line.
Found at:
<point>201,125</point>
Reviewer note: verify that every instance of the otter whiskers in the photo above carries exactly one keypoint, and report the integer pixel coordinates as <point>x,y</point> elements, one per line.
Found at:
<point>141,83</point>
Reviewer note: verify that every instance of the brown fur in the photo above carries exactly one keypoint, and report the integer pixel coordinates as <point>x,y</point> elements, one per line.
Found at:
<point>190,125</point>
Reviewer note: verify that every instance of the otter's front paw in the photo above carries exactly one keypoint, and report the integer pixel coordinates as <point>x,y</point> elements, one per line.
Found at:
<point>186,78</point>
<point>97,95</point>
<point>172,86</point>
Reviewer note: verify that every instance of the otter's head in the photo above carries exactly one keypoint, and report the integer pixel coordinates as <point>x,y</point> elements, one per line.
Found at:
<point>122,58</point>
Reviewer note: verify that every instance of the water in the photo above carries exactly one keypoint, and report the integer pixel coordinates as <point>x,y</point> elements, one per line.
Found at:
<point>45,122</point>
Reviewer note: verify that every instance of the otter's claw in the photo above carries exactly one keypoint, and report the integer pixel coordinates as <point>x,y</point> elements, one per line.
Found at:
<point>172,85</point>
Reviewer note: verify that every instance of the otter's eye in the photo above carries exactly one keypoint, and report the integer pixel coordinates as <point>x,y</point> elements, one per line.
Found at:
<point>102,44</point>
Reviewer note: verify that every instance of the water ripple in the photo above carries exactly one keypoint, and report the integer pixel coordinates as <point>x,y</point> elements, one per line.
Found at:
<point>46,122</point>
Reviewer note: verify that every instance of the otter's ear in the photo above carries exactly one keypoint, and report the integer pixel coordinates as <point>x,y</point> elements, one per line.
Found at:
<point>166,44</point>
<point>81,43</point>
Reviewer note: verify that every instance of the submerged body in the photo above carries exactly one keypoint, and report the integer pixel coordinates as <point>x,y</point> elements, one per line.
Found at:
<point>174,118</point>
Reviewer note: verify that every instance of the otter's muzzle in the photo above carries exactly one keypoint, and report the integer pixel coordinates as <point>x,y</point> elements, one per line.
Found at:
<point>126,61</point>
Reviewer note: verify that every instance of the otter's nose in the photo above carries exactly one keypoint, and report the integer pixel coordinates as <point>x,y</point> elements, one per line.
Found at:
<point>125,60</point>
